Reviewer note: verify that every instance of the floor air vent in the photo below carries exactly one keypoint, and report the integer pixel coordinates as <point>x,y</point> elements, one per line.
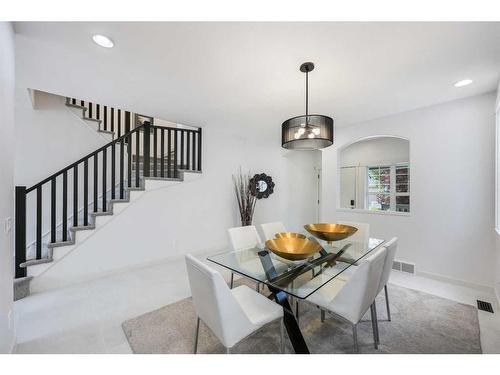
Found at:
<point>485,306</point>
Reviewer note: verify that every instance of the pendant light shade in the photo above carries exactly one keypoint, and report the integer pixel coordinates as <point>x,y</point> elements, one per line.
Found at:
<point>307,132</point>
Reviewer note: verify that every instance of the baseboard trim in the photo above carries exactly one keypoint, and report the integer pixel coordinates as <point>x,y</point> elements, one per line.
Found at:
<point>451,280</point>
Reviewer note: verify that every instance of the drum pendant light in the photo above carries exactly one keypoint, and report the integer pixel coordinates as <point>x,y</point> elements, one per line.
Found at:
<point>307,132</point>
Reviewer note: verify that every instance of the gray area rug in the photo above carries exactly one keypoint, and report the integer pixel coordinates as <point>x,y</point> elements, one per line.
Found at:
<point>421,323</point>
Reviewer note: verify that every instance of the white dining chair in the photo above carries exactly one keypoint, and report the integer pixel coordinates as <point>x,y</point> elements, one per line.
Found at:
<point>242,238</point>
<point>351,299</point>
<point>231,314</point>
<point>270,229</point>
<point>392,247</point>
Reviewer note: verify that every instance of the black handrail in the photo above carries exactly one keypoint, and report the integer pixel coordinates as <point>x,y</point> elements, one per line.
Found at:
<point>79,161</point>
<point>183,151</point>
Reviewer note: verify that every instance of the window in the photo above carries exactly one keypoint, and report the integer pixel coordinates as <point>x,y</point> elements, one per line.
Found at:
<point>388,188</point>
<point>402,188</point>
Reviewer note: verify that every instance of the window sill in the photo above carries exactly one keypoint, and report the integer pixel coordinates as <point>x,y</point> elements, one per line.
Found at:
<point>370,212</point>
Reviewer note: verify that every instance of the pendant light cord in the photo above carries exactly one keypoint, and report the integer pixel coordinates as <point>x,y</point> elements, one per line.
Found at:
<point>307,98</point>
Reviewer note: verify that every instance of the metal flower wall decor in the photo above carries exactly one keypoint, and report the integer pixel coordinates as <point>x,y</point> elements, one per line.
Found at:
<point>261,185</point>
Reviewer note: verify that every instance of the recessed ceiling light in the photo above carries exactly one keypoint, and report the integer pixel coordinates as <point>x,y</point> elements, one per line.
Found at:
<point>103,41</point>
<point>463,82</point>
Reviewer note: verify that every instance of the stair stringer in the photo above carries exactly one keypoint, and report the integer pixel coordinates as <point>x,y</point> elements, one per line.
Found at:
<point>80,111</point>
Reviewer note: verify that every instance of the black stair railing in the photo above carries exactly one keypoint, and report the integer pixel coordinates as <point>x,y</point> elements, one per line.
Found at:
<point>107,172</point>
<point>112,119</point>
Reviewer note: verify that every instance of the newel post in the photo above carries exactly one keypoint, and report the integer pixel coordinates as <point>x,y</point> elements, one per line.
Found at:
<point>20,231</point>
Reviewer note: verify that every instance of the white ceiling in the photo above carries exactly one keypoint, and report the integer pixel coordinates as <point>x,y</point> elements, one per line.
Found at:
<point>246,74</point>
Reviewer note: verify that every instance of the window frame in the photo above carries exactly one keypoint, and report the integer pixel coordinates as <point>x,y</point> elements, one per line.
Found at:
<point>392,187</point>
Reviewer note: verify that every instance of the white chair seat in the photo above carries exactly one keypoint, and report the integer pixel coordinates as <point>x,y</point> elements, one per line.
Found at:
<point>259,309</point>
<point>323,296</point>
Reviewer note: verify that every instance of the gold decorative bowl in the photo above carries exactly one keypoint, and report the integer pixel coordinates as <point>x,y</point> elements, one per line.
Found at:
<point>289,235</point>
<point>330,232</point>
<point>293,248</point>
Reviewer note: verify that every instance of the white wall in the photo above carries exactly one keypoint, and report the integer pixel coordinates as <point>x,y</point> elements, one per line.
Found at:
<point>497,212</point>
<point>7,184</point>
<point>448,232</point>
<point>48,137</point>
<point>193,217</point>
<point>376,151</point>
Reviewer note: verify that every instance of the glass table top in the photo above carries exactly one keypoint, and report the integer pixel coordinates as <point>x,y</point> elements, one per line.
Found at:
<point>297,278</point>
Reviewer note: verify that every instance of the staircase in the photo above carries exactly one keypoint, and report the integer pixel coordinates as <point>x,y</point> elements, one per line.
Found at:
<point>57,212</point>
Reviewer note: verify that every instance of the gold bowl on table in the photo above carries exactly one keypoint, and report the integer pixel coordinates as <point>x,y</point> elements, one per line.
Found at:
<point>293,248</point>
<point>289,235</point>
<point>330,232</point>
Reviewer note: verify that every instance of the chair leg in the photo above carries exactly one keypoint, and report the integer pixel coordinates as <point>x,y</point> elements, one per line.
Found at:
<point>373,312</point>
<point>282,336</point>
<point>355,337</point>
<point>387,304</point>
<point>196,335</point>
<point>232,280</point>
<point>322,316</point>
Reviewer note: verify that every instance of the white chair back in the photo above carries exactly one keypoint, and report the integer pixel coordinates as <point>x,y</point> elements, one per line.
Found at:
<point>360,290</point>
<point>244,237</point>
<point>215,304</point>
<point>270,229</point>
<point>363,232</point>
<point>391,247</point>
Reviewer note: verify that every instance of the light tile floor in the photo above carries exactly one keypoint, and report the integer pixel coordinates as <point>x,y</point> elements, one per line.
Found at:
<point>86,318</point>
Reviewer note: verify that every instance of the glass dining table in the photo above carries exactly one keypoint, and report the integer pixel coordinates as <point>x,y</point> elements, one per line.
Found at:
<point>298,279</point>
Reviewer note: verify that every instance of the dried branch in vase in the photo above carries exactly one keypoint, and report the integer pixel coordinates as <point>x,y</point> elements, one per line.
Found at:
<point>246,201</point>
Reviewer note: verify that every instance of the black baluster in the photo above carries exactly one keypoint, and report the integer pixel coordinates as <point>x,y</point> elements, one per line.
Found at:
<point>105,117</point>
<point>162,152</point>
<point>65,207</point>
<point>39,222</point>
<point>53,210</point>
<point>175,153</point>
<point>73,101</point>
<point>98,111</point>
<point>82,103</point>
<point>146,149</point>
<point>127,122</point>
<point>119,115</point>
<point>193,161</point>
<point>169,152</point>
<point>155,152</point>
<point>113,184</point>
<point>199,149</point>
<point>122,141</point>
<point>129,163</point>
<point>104,164</point>
<point>95,182</point>
<point>113,120</point>
<point>182,149</point>
<point>75,195</point>
<point>85,192</point>
<point>90,109</point>
<point>188,151</point>
<point>137,159</point>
